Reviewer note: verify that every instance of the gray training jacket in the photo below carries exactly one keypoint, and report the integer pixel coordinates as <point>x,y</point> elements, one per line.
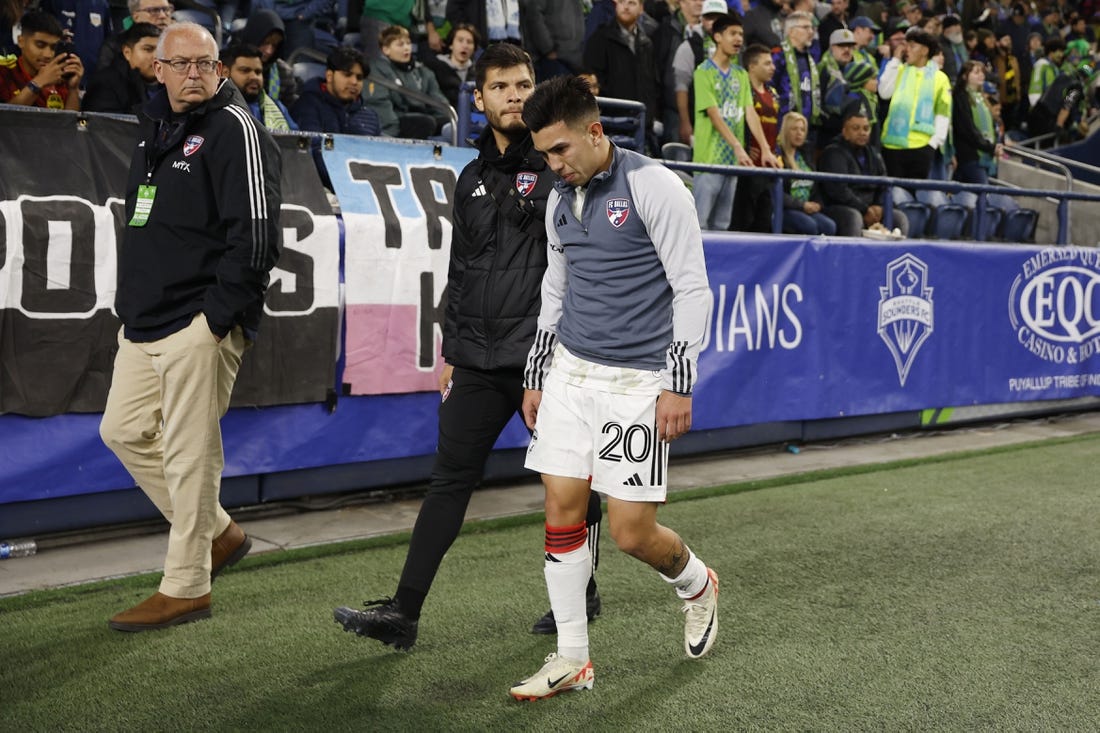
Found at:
<point>626,285</point>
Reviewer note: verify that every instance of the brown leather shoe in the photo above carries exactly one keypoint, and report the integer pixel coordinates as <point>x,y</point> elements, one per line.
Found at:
<point>159,611</point>
<point>228,548</point>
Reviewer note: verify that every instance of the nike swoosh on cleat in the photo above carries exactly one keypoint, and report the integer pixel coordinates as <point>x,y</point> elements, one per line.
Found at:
<point>697,649</point>
<point>554,683</point>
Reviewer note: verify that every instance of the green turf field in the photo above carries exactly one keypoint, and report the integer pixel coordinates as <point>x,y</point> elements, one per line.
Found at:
<point>954,594</point>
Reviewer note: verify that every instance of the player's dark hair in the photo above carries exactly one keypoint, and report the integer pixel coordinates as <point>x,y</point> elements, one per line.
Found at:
<point>500,56</point>
<point>565,99</point>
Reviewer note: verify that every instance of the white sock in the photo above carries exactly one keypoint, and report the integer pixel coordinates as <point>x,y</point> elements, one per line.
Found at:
<point>568,567</point>
<point>692,580</point>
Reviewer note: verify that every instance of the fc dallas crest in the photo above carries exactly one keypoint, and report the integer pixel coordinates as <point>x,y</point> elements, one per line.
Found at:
<point>192,144</point>
<point>617,211</point>
<point>525,182</point>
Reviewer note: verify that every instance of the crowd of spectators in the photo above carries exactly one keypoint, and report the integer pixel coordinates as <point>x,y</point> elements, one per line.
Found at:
<point>914,89</point>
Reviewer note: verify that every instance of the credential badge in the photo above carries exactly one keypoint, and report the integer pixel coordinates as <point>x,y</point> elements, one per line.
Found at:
<point>905,311</point>
<point>617,211</point>
<point>192,144</point>
<point>525,182</point>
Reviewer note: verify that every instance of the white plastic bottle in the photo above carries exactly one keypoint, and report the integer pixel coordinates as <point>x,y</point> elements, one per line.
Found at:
<point>23,548</point>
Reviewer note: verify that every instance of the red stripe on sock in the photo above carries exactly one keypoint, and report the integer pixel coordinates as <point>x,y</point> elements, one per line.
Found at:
<point>566,539</point>
<point>700,593</point>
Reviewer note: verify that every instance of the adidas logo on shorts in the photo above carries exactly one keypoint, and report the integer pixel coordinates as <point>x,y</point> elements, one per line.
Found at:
<point>634,480</point>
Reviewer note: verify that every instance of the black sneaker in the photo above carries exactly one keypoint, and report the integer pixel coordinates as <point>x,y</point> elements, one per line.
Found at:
<point>593,606</point>
<point>385,622</point>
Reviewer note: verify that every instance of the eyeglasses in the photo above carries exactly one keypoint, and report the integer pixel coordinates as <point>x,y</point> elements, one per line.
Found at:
<point>158,10</point>
<point>180,66</point>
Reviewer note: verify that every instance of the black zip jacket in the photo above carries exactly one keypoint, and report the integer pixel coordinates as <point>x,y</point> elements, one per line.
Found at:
<point>968,138</point>
<point>497,258</point>
<point>841,157</point>
<point>213,233</point>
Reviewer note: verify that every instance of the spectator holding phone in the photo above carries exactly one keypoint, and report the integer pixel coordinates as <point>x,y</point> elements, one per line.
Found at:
<point>47,72</point>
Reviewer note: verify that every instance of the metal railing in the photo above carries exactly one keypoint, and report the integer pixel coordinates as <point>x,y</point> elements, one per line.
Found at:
<point>423,99</point>
<point>980,190</point>
<point>609,109</point>
<point>314,54</point>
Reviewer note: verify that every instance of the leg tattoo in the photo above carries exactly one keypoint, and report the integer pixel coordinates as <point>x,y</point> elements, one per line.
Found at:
<point>674,564</point>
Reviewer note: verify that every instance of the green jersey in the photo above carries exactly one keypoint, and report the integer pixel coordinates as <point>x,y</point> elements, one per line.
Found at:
<point>729,91</point>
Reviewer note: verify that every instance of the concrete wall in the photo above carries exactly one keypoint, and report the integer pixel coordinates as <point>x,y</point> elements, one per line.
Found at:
<point>1084,216</point>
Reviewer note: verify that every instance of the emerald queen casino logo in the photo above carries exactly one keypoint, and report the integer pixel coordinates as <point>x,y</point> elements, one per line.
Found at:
<point>1054,304</point>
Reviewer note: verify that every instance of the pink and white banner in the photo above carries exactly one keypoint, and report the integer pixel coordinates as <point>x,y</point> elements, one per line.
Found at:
<point>396,199</point>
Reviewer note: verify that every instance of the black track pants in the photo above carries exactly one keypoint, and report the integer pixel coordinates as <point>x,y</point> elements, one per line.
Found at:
<point>471,419</point>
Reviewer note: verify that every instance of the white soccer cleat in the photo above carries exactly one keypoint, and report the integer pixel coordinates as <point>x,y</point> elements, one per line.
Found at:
<point>559,674</point>
<point>701,619</point>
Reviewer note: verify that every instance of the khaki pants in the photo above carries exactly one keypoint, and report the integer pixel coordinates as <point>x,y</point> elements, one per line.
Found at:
<point>162,421</point>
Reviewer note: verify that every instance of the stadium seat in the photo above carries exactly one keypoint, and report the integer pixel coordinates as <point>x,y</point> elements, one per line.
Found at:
<point>195,16</point>
<point>991,224</point>
<point>918,215</point>
<point>949,221</point>
<point>676,151</point>
<point>679,153</point>
<point>1019,225</point>
<point>623,131</point>
<point>306,70</point>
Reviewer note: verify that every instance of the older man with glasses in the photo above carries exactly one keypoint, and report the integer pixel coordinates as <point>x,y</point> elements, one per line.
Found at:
<point>154,12</point>
<point>796,75</point>
<point>200,237</point>
<point>157,12</point>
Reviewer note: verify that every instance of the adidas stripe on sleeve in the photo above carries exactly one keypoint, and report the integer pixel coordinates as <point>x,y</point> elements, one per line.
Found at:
<point>553,290</point>
<point>668,211</point>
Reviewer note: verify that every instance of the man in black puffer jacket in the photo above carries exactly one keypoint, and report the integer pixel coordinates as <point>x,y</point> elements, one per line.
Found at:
<point>498,257</point>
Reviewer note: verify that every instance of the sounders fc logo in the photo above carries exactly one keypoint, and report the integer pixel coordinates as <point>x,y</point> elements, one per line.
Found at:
<point>905,311</point>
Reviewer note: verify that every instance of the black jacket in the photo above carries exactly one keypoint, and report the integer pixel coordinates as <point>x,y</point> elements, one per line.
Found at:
<point>760,25</point>
<point>498,257</point>
<point>841,157</point>
<point>118,88</point>
<point>968,139</point>
<point>624,74</point>
<point>213,232</point>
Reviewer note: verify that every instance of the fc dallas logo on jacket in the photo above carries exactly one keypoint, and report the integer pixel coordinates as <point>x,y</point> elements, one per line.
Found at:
<point>192,144</point>
<point>525,182</point>
<point>617,211</point>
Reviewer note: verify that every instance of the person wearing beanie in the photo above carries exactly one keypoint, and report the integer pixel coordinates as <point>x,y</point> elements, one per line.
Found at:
<point>919,115</point>
<point>953,46</point>
<point>863,94</point>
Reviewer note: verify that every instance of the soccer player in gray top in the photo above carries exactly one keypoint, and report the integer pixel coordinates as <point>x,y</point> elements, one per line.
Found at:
<point>609,378</point>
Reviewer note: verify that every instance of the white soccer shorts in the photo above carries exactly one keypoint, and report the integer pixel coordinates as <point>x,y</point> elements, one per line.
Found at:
<point>599,422</point>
